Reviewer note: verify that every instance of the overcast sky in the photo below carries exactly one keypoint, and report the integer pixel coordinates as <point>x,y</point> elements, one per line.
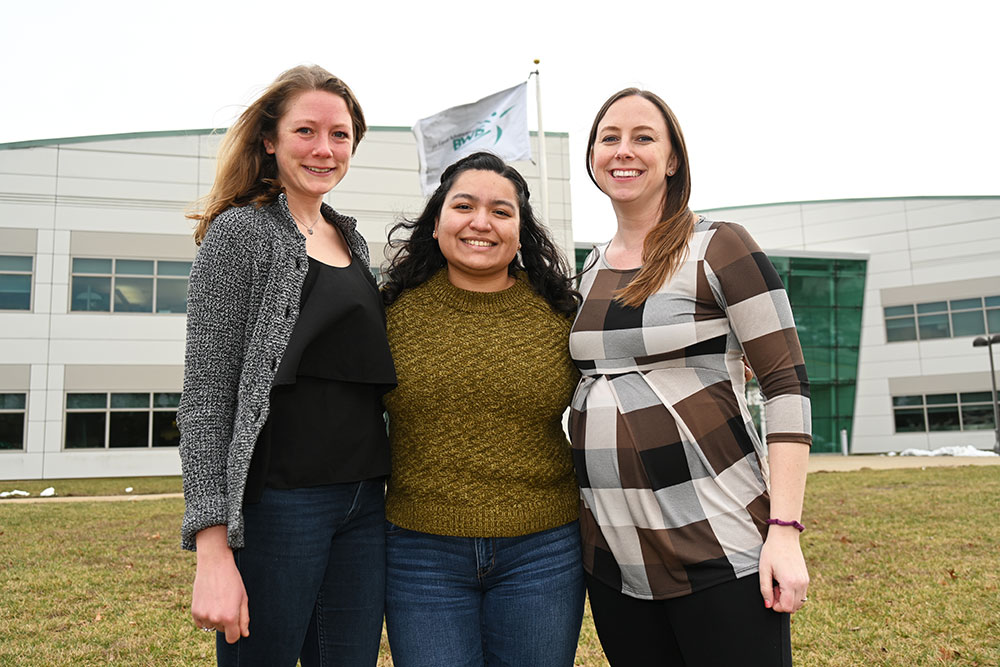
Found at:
<point>779,100</point>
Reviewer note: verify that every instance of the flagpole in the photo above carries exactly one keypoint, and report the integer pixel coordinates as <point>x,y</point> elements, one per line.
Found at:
<point>543,170</point>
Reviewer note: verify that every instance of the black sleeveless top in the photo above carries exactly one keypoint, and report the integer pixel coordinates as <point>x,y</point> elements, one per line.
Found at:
<point>326,424</point>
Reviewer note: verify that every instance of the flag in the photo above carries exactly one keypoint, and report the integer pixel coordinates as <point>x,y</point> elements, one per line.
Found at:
<point>497,124</point>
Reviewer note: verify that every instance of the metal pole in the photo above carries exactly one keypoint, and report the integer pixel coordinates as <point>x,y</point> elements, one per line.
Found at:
<point>543,171</point>
<point>996,409</point>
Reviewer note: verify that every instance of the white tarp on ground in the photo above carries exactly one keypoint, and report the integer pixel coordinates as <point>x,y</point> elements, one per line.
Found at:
<point>945,451</point>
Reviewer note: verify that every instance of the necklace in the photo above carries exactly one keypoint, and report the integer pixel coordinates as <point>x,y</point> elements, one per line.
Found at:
<point>310,227</point>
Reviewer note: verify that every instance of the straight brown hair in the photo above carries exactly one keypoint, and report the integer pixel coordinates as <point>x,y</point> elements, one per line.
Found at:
<point>665,245</point>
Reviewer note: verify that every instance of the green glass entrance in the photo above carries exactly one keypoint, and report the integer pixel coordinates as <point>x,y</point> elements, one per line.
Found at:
<point>827,296</point>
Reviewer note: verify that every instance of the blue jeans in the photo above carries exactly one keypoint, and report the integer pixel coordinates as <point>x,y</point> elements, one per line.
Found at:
<point>473,601</point>
<point>314,570</point>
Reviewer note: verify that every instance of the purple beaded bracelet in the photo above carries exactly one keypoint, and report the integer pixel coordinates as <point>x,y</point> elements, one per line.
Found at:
<point>778,522</point>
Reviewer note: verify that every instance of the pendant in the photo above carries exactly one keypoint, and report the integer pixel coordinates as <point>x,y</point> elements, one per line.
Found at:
<point>310,231</point>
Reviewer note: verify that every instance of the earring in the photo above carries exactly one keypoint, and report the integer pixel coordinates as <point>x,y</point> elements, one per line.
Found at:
<point>434,234</point>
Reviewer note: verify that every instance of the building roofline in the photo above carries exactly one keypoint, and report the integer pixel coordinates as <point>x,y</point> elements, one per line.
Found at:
<point>40,143</point>
<point>843,200</point>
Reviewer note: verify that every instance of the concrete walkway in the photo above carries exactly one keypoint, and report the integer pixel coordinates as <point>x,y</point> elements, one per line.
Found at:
<point>817,463</point>
<point>840,463</point>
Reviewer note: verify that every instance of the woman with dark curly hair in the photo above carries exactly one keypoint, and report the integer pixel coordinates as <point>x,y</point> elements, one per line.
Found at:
<point>482,542</point>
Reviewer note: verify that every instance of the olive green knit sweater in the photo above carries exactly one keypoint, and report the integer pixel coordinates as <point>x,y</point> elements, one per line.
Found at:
<point>475,423</point>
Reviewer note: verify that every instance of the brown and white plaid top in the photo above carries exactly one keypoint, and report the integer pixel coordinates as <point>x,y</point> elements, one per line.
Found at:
<point>672,473</point>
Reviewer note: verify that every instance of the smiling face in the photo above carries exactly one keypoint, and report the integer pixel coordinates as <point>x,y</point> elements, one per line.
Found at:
<point>632,156</point>
<point>478,231</point>
<point>312,145</point>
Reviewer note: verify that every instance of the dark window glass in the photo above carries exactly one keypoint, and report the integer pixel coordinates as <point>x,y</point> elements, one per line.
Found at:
<point>86,401</point>
<point>909,420</point>
<point>845,401</point>
<point>894,311</point>
<point>934,307</point>
<point>934,326</point>
<point>824,434</point>
<point>815,326</point>
<point>941,399</point>
<point>993,320</point>
<point>91,293</point>
<point>88,265</point>
<point>847,363</point>
<point>992,300</point>
<point>133,295</point>
<point>85,430</point>
<point>907,400</point>
<point>977,418</point>
<point>130,400</point>
<point>819,363</point>
<point>848,326</point>
<point>11,430</point>
<point>968,323</point>
<point>903,328</point>
<point>821,400</point>
<point>15,292</point>
<point>171,295</point>
<point>12,401</point>
<point>976,397</point>
<point>21,263</point>
<point>165,433</point>
<point>966,304</point>
<point>851,266</point>
<point>129,429</point>
<point>811,290</point>
<point>943,418</point>
<point>816,264</point>
<point>182,269</point>
<point>171,400</point>
<point>850,290</point>
<point>134,267</point>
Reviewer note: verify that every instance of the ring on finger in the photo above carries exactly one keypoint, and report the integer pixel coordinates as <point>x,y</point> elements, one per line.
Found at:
<point>207,629</point>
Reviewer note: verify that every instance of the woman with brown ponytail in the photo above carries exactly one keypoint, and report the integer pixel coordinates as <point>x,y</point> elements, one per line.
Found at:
<point>682,504</point>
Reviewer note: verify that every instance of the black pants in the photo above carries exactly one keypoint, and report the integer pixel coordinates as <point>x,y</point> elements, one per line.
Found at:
<point>718,627</point>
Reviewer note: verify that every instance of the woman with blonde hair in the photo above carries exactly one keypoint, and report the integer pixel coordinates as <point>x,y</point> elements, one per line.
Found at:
<point>283,443</point>
<point>690,524</point>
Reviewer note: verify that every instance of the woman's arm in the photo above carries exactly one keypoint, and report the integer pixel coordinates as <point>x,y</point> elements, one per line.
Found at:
<point>219,599</point>
<point>753,296</point>
<point>781,559</point>
<point>219,295</point>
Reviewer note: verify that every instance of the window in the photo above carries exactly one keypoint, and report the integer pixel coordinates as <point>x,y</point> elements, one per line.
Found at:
<point>133,419</point>
<point>943,319</point>
<point>129,285</point>
<point>967,411</point>
<point>15,282</point>
<point>12,416</point>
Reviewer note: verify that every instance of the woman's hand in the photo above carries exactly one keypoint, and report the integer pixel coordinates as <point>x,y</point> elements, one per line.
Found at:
<point>784,578</point>
<point>219,599</point>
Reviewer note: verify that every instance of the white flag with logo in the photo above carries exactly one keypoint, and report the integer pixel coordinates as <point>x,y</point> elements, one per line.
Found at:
<point>497,124</point>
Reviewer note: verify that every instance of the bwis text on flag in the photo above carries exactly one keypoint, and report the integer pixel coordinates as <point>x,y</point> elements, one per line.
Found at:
<point>497,124</point>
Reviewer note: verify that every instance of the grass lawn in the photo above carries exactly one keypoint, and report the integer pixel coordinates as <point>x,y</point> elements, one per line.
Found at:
<point>904,567</point>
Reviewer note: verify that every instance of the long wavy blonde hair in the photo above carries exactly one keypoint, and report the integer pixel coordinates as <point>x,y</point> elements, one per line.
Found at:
<point>245,172</point>
<point>665,245</point>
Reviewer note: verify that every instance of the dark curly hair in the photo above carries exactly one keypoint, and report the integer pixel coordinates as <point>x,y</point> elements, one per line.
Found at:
<point>414,254</point>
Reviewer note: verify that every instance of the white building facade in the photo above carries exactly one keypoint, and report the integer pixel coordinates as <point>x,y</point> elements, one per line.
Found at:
<point>94,255</point>
<point>889,295</point>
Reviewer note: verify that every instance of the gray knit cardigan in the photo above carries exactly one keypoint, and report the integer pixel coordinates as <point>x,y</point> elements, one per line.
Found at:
<point>243,302</point>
